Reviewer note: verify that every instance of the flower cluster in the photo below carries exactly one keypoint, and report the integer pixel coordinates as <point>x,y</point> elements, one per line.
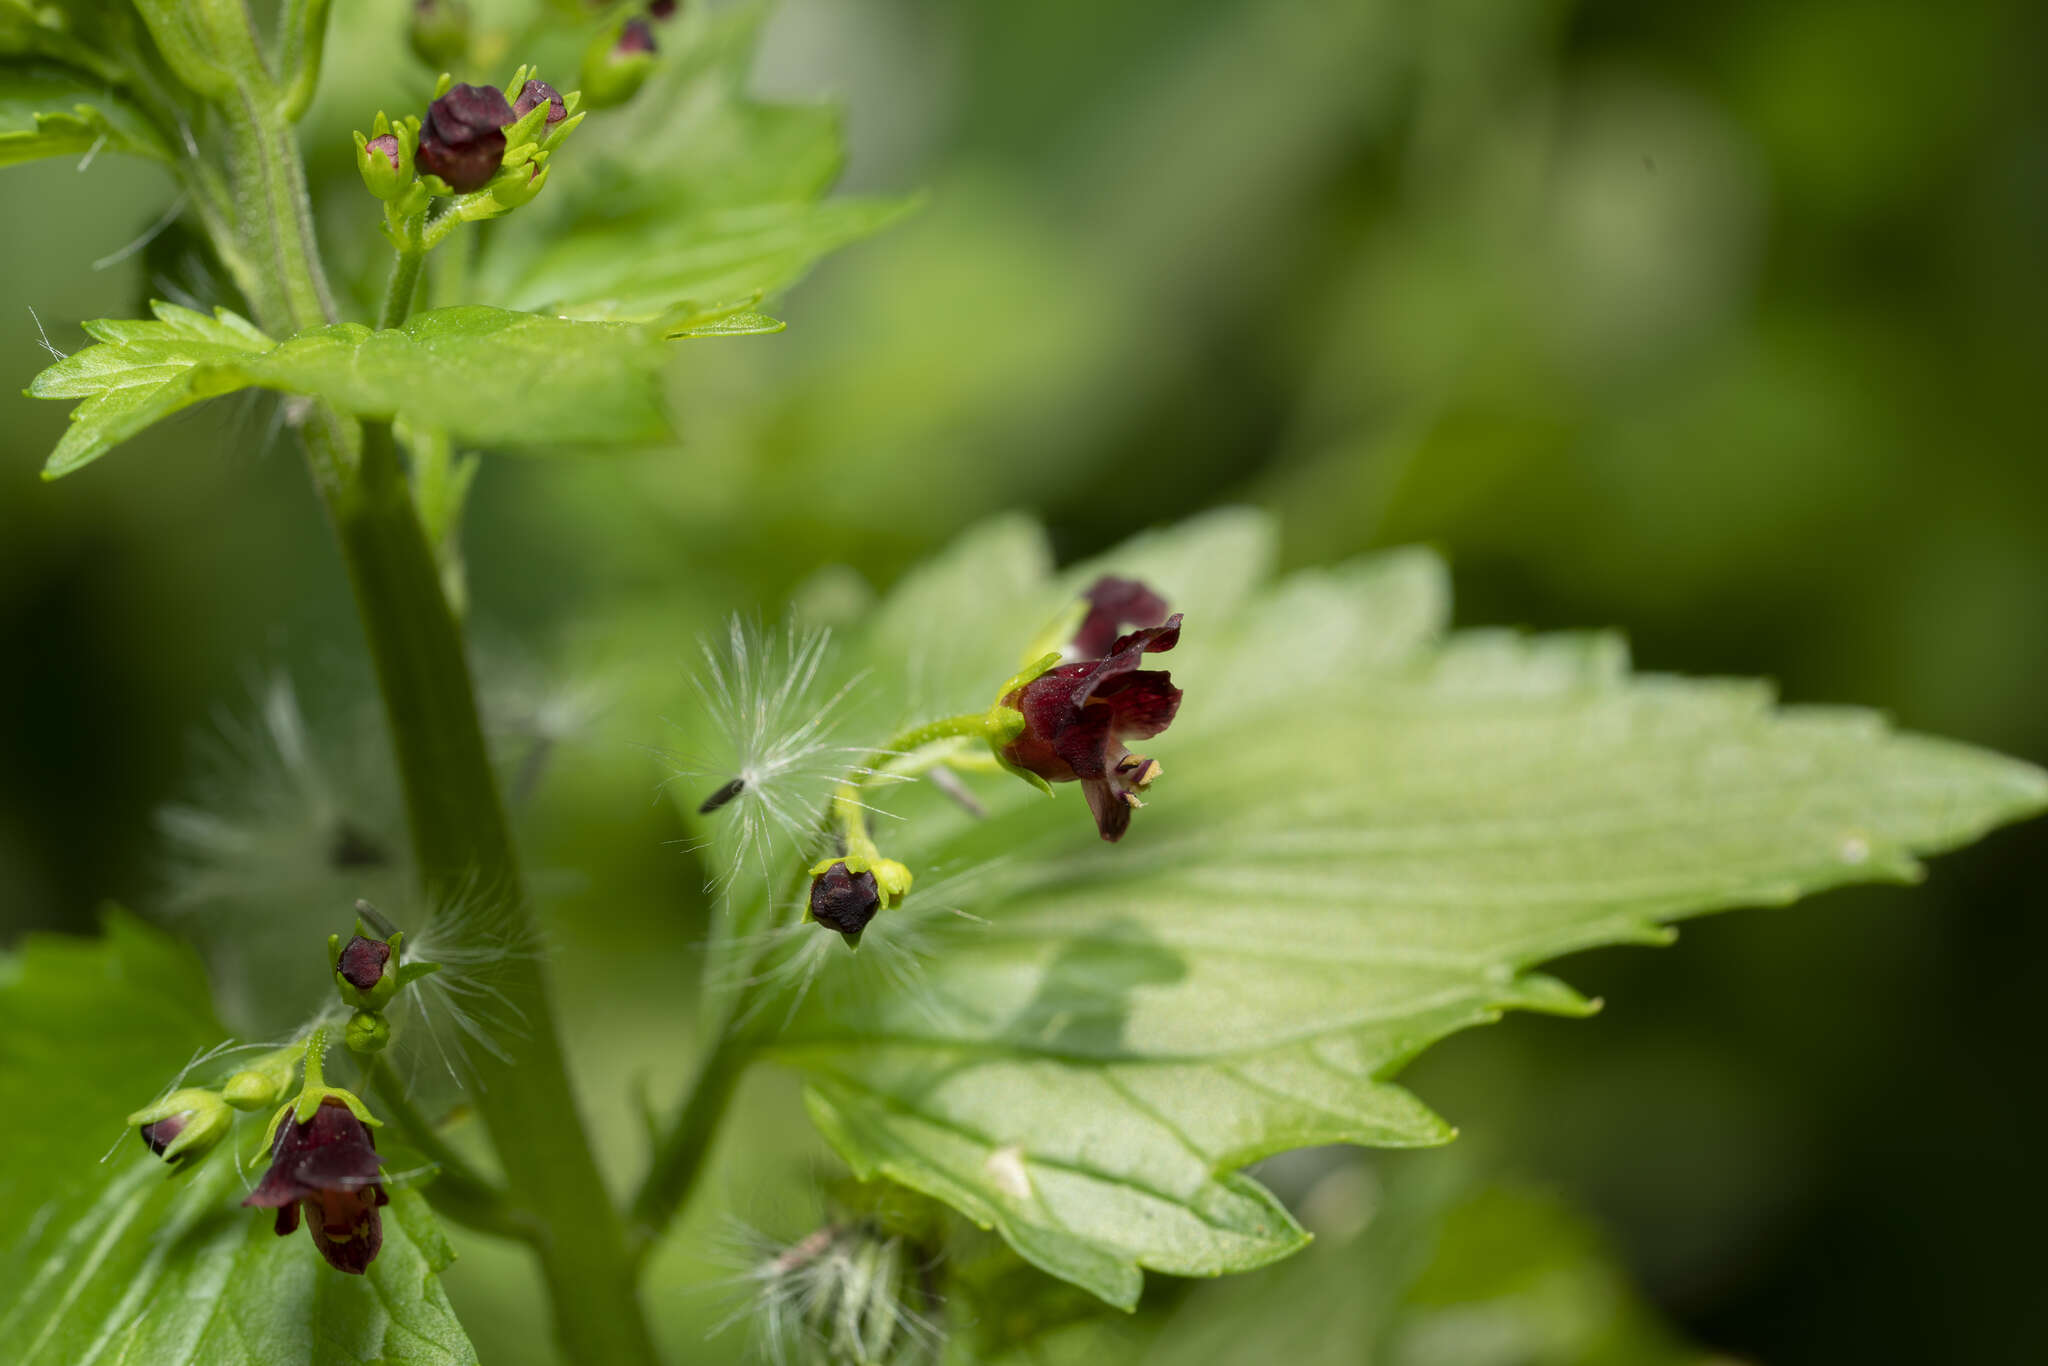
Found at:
<point>324,1166</point>
<point>488,150</point>
<point>1068,717</point>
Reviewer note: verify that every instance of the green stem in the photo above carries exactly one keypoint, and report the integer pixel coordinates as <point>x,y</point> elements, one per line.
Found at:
<point>274,219</point>
<point>464,850</point>
<point>460,839</point>
<point>974,724</point>
<point>398,295</point>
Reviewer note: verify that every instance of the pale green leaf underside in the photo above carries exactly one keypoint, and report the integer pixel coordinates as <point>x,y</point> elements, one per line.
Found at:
<point>48,112</point>
<point>635,270</point>
<point>692,192</point>
<point>1367,835</point>
<point>484,376</point>
<point>115,1261</point>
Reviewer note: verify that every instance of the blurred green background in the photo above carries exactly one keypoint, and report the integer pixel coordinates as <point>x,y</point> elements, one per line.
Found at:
<point>1721,325</point>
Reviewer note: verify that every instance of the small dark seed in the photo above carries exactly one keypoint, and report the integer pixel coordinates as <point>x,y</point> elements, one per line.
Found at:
<point>722,796</point>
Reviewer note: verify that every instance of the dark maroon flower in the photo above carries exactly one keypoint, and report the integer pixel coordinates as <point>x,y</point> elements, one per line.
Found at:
<point>462,138</point>
<point>663,9</point>
<point>535,93</point>
<point>1077,717</point>
<point>844,901</point>
<point>327,1169</point>
<point>636,36</point>
<point>1113,605</point>
<point>363,961</point>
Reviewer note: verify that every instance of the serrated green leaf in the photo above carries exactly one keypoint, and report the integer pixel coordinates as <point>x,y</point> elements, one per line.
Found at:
<point>46,111</point>
<point>482,376</point>
<point>691,192</point>
<point>112,1261</point>
<point>1367,837</point>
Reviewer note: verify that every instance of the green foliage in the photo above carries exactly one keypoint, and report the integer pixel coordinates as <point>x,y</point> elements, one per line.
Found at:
<point>479,375</point>
<point>1368,834</point>
<point>691,194</point>
<point>47,111</point>
<point>114,1260</point>
<point>1445,1271</point>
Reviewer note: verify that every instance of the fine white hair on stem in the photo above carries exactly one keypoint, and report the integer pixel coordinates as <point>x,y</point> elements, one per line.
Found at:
<point>761,743</point>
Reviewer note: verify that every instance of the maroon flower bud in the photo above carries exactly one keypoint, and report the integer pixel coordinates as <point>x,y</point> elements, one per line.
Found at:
<point>388,148</point>
<point>164,1132</point>
<point>327,1169</point>
<point>635,37</point>
<point>535,93</point>
<point>462,138</point>
<point>663,9</point>
<point>1077,717</point>
<point>844,901</point>
<point>1113,605</point>
<point>363,961</point>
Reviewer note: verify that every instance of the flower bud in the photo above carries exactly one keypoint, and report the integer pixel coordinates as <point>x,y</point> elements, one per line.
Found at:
<point>462,139</point>
<point>440,32</point>
<point>385,163</point>
<point>845,901</point>
<point>663,9</point>
<point>365,969</point>
<point>184,1126</point>
<point>536,93</point>
<point>367,1032</point>
<point>617,64</point>
<point>261,1086</point>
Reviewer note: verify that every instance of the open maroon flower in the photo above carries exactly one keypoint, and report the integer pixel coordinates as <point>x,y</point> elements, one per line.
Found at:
<point>327,1168</point>
<point>1077,717</point>
<point>462,138</point>
<point>1113,605</point>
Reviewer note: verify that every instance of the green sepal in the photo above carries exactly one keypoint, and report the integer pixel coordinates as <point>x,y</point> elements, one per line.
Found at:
<point>409,973</point>
<point>1005,724</point>
<point>302,1109</point>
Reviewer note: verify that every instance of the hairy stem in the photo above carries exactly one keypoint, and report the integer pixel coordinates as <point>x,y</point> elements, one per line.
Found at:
<point>464,849</point>
<point>459,834</point>
<point>398,295</point>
